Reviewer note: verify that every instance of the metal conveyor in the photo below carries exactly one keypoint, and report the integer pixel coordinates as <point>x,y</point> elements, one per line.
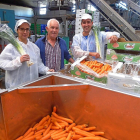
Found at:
<point>121,25</point>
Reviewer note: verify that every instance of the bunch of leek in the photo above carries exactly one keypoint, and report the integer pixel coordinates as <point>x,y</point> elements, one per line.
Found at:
<point>96,30</point>
<point>7,33</point>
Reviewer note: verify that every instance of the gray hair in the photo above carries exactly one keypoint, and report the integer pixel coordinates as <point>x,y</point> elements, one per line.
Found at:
<point>49,21</point>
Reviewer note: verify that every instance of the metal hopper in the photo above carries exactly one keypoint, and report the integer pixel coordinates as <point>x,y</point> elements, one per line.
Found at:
<point>115,113</point>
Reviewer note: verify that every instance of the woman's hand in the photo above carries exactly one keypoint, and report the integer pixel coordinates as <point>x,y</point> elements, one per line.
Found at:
<point>24,58</point>
<point>51,70</point>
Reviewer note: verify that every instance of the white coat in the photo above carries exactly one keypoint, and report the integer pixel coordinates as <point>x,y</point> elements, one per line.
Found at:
<point>17,73</point>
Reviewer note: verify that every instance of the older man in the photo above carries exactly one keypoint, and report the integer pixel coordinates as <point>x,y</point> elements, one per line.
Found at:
<point>85,43</point>
<point>53,49</point>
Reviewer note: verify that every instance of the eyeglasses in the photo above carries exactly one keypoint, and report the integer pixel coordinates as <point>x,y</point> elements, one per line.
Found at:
<point>23,30</point>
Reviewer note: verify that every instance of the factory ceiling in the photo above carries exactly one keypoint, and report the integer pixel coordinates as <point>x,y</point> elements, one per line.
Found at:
<point>34,3</point>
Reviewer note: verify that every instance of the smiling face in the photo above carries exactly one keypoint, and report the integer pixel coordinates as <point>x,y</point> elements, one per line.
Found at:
<point>23,31</point>
<point>53,29</point>
<point>86,25</point>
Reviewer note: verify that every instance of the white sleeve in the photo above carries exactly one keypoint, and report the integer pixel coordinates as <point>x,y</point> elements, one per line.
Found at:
<point>10,58</point>
<point>76,49</point>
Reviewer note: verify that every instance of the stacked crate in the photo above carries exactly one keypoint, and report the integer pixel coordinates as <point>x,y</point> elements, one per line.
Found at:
<point>38,29</point>
<point>79,13</point>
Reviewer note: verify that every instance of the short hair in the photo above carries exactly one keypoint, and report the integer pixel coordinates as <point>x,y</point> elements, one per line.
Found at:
<point>49,21</point>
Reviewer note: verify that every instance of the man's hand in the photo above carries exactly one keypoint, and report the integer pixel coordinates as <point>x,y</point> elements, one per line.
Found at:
<point>24,58</point>
<point>113,39</point>
<point>95,54</point>
<point>51,70</point>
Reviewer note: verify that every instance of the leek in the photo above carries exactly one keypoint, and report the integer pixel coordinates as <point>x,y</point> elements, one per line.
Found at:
<point>96,31</point>
<point>7,33</point>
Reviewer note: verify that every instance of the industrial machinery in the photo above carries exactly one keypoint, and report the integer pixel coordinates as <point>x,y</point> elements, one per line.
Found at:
<point>114,112</point>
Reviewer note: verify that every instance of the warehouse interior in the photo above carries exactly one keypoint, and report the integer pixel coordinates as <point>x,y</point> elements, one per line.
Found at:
<point>98,107</point>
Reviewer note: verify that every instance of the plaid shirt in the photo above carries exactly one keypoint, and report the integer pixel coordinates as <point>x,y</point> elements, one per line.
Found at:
<point>53,55</point>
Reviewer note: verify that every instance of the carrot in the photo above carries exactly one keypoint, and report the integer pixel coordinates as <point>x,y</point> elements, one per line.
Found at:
<point>55,127</point>
<point>43,120</point>
<point>69,136</point>
<point>90,138</point>
<point>20,138</point>
<point>30,134</point>
<point>57,131</point>
<point>60,136</point>
<point>57,134</point>
<point>38,128</point>
<point>38,137</point>
<point>89,128</point>
<point>35,126</point>
<point>64,138</point>
<point>30,138</point>
<point>46,137</point>
<point>54,109</point>
<point>47,130</point>
<point>62,118</point>
<point>40,131</point>
<point>98,133</point>
<point>58,120</point>
<point>28,131</point>
<point>76,136</point>
<point>82,132</point>
<point>81,126</point>
<point>57,124</point>
<point>70,127</point>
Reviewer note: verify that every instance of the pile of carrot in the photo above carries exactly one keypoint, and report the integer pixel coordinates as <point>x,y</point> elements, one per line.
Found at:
<point>96,66</point>
<point>56,127</point>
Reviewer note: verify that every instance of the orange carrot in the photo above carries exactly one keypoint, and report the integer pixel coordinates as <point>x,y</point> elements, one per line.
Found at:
<point>54,109</point>
<point>76,136</point>
<point>81,126</point>
<point>30,138</point>
<point>69,136</point>
<point>62,118</point>
<point>20,138</point>
<point>40,132</point>
<point>90,138</point>
<point>38,128</point>
<point>38,137</point>
<point>70,127</point>
<point>47,130</point>
<point>101,138</point>
<point>60,136</point>
<point>63,138</point>
<point>28,131</point>
<point>46,137</point>
<point>58,120</point>
<point>43,120</point>
<point>89,128</point>
<point>30,134</point>
<point>57,131</point>
<point>55,127</point>
<point>97,133</point>
<point>57,124</point>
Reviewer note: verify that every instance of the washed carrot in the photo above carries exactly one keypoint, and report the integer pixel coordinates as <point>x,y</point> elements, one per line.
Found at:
<point>38,128</point>
<point>38,137</point>
<point>28,131</point>
<point>30,134</point>
<point>57,134</point>
<point>90,138</point>
<point>62,118</point>
<point>63,138</point>
<point>43,120</point>
<point>58,120</point>
<point>70,127</point>
<point>46,137</point>
<point>55,127</point>
<point>57,124</point>
<point>20,138</point>
<point>60,136</point>
<point>69,136</point>
<point>81,126</point>
<point>101,138</point>
<point>54,109</point>
<point>47,130</point>
<point>30,138</point>
<point>76,136</point>
<point>89,128</point>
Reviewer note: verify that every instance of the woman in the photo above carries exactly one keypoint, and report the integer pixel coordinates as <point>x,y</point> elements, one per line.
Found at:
<point>17,71</point>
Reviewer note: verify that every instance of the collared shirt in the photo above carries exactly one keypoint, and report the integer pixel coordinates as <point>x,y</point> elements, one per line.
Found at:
<point>53,55</point>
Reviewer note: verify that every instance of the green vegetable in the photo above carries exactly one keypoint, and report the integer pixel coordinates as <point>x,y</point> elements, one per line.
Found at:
<point>7,33</point>
<point>96,31</point>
